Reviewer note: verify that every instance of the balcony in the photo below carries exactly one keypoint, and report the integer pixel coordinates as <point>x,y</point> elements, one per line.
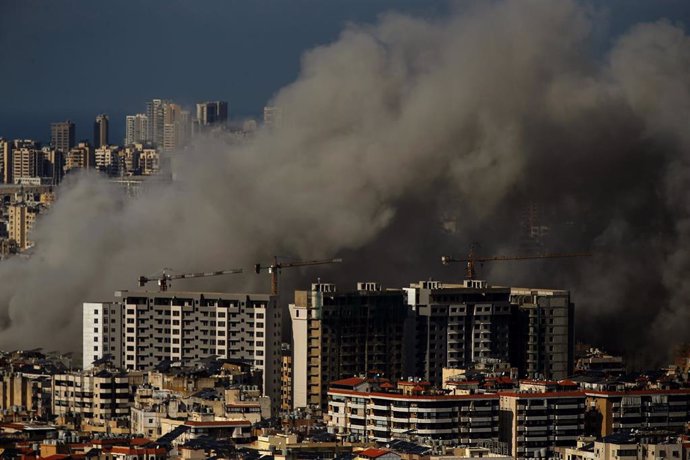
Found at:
<point>569,406</point>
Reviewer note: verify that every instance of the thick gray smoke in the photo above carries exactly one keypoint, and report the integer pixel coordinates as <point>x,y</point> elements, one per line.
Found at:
<point>387,129</point>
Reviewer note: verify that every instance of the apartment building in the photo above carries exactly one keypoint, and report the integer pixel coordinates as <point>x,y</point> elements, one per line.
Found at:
<point>626,446</point>
<point>80,157</point>
<point>188,326</point>
<point>409,410</point>
<point>546,329</point>
<point>101,395</point>
<point>458,325</point>
<point>337,335</point>
<point>21,220</point>
<point>622,411</point>
<point>102,333</point>
<point>536,424</point>
<point>62,135</point>
<point>30,393</point>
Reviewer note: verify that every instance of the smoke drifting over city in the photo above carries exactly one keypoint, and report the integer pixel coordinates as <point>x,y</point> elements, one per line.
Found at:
<point>392,129</point>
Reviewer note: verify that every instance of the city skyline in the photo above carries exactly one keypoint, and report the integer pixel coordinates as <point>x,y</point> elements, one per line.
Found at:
<point>456,229</point>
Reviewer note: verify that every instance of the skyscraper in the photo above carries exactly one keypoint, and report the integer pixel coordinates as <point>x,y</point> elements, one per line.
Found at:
<point>6,160</point>
<point>100,131</point>
<point>176,127</point>
<point>155,111</point>
<point>137,129</point>
<point>213,112</point>
<point>62,135</point>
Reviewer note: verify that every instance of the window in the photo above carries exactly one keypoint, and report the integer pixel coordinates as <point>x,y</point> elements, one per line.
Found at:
<point>95,320</point>
<point>95,348</point>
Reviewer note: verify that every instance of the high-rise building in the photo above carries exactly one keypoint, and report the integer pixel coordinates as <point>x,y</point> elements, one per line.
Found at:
<point>155,113</point>
<point>102,332</point>
<point>210,113</point>
<point>22,218</point>
<point>458,325</point>
<point>177,127</point>
<point>338,335</point>
<point>137,129</point>
<point>100,131</point>
<point>185,327</point>
<point>26,164</point>
<point>546,321</point>
<point>6,160</point>
<point>62,135</point>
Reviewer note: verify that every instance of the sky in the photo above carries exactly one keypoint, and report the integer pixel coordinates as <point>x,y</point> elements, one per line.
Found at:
<point>78,58</point>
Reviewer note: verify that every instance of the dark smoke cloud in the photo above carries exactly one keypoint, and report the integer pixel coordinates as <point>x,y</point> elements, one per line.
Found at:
<point>393,126</point>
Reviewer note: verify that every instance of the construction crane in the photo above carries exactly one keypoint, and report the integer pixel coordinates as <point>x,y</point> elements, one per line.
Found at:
<point>275,267</point>
<point>472,259</point>
<point>164,279</point>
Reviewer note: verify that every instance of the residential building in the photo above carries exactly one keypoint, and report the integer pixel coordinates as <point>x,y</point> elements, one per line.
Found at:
<point>22,218</point>
<point>459,325</point>
<point>137,129</point>
<point>62,135</point>
<point>176,128</point>
<point>409,410</point>
<point>338,335</point>
<point>149,162</point>
<point>6,161</point>
<point>108,159</point>
<point>102,333</point>
<point>155,113</point>
<point>101,395</point>
<point>80,157</point>
<point>626,446</point>
<point>186,326</point>
<point>536,424</point>
<point>27,163</point>
<point>546,328</point>
<point>100,131</point>
<point>622,411</point>
<point>25,393</point>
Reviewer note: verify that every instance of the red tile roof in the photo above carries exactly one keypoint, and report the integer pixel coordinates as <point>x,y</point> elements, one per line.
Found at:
<point>352,381</point>
<point>398,396</point>
<point>373,453</point>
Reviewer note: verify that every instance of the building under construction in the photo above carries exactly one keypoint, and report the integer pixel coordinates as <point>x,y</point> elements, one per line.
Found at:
<point>345,334</point>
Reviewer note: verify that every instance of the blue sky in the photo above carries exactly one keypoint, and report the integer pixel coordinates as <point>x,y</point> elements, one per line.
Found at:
<point>74,59</point>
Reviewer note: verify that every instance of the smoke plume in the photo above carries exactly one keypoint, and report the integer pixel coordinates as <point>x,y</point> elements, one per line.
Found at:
<point>394,128</point>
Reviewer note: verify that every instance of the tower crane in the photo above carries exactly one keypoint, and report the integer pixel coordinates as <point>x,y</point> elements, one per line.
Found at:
<point>164,279</point>
<point>275,267</point>
<point>472,259</point>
